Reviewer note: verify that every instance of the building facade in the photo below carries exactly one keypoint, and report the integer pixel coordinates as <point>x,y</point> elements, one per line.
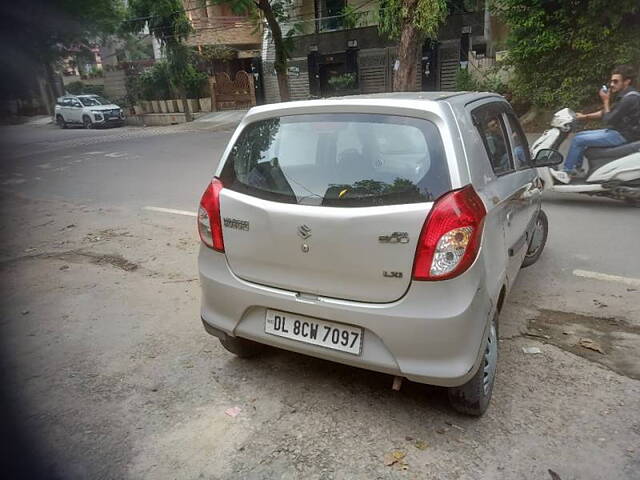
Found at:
<point>338,49</point>
<point>218,25</point>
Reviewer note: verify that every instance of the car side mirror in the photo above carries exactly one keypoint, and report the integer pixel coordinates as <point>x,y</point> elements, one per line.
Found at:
<point>547,157</point>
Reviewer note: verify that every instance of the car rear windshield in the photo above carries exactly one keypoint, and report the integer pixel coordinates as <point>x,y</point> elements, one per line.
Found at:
<point>339,160</point>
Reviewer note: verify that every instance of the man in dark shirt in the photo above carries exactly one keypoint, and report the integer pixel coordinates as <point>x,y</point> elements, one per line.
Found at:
<point>622,120</point>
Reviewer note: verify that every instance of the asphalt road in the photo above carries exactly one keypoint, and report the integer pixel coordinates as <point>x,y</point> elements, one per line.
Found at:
<point>110,375</point>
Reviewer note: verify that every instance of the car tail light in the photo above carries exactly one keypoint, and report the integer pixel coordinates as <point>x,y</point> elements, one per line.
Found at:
<point>209,224</point>
<point>450,237</point>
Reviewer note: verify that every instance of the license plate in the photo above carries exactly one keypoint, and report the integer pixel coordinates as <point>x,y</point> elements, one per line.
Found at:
<point>316,332</point>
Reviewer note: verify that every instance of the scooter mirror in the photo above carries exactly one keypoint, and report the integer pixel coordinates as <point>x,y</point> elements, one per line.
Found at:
<point>547,157</point>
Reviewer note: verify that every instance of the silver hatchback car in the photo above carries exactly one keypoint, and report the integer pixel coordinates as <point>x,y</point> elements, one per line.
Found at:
<point>380,231</point>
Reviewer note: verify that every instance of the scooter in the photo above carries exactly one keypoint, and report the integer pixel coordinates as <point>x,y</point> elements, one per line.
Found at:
<point>612,172</point>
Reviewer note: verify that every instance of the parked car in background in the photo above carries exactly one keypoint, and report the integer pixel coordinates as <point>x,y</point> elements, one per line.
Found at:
<point>381,231</point>
<point>87,110</point>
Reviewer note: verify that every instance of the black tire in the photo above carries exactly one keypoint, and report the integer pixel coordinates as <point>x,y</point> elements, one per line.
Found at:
<point>241,347</point>
<point>86,122</point>
<point>60,121</point>
<point>634,202</point>
<point>473,397</point>
<point>534,251</point>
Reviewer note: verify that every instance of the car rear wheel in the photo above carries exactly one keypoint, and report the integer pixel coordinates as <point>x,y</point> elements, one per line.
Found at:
<point>473,397</point>
<point>241,347</point>
<point>86,121</point>
<point>60,121</point>
<point>538,240</point>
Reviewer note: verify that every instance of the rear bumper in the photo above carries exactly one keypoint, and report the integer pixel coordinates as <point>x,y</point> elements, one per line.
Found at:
<point>434,334</point>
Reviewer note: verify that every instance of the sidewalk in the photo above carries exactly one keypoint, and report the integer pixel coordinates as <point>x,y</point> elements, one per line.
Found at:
<point>225,120</point>
<point>229,118</point>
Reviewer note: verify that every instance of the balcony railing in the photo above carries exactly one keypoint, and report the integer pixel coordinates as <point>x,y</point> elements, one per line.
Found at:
<point>224,30</point>
<point>346,22</point>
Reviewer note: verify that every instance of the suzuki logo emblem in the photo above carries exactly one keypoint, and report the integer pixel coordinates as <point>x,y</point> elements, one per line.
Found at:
<point>304,231</point>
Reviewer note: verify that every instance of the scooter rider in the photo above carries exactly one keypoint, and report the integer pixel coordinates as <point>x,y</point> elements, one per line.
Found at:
<point>622,120</point>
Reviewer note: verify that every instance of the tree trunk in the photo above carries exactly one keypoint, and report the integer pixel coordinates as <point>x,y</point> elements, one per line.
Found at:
<point>49,95</point>
<point>404,79</point>
<point>45,96</point>
<point>188,117</point>
<point>281,53</point>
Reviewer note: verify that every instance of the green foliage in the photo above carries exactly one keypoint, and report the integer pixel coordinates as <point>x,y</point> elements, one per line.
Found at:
<point>210,53</point>
<point>563,51</point>
<point>153,84</point>
<point>345,81</point>
<point>491,80</point>
<point>166,19</point>
<point>465,82</point>
<point>425,15</point>
<point>37,34</point>
<point>156,83</point>
<point>42,29</point>
<point>134,47</point>
<point>195,82</point>
<point>350,17</point>
<point>93,90</point>
<point>79,88</point>
<point>75,88</point>
<point>168,22</point>
<point>257,10</point>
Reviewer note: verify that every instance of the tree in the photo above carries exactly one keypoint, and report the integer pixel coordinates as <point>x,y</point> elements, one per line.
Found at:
<point>274,13</point>
<point>562,51</point>
<point>168,22</point>
<point>409,21</point>
<point>35,34</point>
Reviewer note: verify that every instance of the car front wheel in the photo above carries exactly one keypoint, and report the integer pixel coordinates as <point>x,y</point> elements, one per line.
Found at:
<point>473,397</point>
<point>86,121</point>
<point>60,121</point>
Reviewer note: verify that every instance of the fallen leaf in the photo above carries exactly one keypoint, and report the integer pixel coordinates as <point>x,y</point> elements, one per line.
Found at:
<point>398,455</point>
<point>591,345</point>
<point>457,427</point>
<point>394,457</point>
<point>233,411</point>
<point>554,475</point>
<point>421,445</point>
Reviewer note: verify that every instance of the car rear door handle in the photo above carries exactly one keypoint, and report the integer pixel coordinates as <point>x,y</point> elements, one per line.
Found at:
<point>509,215</point>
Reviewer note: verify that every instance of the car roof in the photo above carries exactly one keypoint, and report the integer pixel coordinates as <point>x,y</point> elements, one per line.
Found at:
<point>411,100</point>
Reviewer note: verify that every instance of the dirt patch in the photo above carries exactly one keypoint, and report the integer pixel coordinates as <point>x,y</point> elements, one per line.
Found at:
<point>106,234</point>
<point>77,256</point>
<point>618,342</point>
<point>115,261</point>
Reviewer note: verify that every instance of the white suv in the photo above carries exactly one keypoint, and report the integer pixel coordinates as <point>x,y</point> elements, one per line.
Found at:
<point>87,110</point>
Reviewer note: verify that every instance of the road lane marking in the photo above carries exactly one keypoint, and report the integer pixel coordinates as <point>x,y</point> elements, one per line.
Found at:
<point>171,210</point>
<point>634,282</point>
